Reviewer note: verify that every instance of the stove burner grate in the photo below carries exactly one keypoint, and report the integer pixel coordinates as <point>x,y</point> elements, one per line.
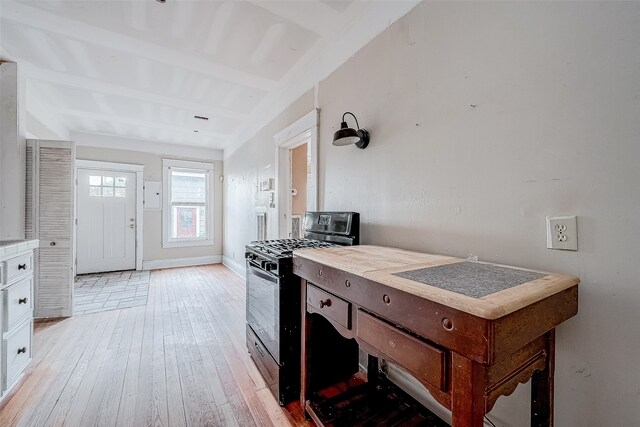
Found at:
<point>285,247</point>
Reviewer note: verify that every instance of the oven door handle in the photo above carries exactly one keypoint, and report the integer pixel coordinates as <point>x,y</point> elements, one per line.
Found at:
<point>262,274</point>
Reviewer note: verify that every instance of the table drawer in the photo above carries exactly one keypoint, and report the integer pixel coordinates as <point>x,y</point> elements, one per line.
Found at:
<point>18,266</point>
<point>421,359</point>
<point>18,302</point>
<point>17,352</point>
<point>329,305</point>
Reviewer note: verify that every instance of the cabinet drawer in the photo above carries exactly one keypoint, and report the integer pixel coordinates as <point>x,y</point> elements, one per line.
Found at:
<point>18,302</point>
<point>263,360</point>
<point>421,359</point>
<point>17,352</point>
<point>329,305</point>
<point>18,266</point>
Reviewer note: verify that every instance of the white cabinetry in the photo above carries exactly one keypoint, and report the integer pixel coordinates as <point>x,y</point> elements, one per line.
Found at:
<point>16,310</point>
<point>50,204</point>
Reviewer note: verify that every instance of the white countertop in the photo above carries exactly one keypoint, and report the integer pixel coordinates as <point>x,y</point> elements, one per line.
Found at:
<point>10,247</point>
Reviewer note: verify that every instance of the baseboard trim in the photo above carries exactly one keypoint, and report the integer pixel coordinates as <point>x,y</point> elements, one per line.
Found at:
<point>237,268</point>
<point>49,314</point>
<point>181,262</point>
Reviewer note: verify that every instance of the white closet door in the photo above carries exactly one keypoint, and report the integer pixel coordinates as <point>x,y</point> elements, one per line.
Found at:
<point>52,178</point>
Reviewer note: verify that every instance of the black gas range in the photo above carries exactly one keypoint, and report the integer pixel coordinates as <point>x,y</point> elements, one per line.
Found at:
<point>273,297</point>
<point>269,255</point>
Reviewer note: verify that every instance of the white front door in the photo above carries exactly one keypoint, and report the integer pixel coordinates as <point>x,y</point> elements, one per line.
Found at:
<point>106,221</point>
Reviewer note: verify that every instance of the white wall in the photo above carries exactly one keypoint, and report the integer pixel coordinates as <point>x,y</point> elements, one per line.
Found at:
<point>153,250</point>
<point>12,151</point>
<point>486,117</point>
<point>253,161</point>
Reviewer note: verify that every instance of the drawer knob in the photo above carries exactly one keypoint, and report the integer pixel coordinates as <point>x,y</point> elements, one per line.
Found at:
<point>347,283</point>
<point>320,272</point>
<point>386,299</point>
<point>22,266</point>
<point>22,300</point>
<point>447,324</point>
<point>325,303</point>
<point>22,350</point>
<point>52,244</point>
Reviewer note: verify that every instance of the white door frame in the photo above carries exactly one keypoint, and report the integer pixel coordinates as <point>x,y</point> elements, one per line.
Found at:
<point>304,130</point>
<point>122,167</point>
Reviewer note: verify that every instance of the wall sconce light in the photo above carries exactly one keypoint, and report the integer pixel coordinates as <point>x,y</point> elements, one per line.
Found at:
<point>348,136</point>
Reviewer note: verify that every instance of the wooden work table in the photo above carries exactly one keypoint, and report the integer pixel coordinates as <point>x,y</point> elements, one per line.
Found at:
<point>470,332</point>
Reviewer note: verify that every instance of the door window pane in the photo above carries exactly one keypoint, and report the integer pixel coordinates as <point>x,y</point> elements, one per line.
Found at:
<point>107,180</point>
<point>95,191</point>
<point>107,191</point>
<point>120,192</point>
<point>95,180</point>
<point>120,181</point>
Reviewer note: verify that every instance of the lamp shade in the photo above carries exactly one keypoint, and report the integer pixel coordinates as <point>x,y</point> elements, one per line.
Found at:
<point>345,136</point>
<point>348,136</point>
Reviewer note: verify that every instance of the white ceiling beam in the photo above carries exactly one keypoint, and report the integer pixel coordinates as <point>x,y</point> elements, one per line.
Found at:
<point>136,122</point>
<point>99,86</point>
<point>312,15</point>
<point>118,142</point>
<point>56,24</point>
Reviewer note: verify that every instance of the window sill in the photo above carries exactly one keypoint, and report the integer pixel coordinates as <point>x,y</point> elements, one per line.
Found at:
<point>187,243</point>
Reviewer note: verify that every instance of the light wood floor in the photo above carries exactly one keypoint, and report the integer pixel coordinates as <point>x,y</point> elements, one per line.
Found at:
<point>179,360</point>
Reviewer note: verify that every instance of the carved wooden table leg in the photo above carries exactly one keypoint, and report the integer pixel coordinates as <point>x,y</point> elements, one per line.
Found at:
<point>542,388</point>
<point>467,392</point>
<point>304,332</point>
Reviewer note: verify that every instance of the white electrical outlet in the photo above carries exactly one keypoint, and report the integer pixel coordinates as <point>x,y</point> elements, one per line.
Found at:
<point>562,233</point>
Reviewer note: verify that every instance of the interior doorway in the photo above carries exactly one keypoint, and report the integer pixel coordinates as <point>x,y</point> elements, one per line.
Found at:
<point>300,169</point>
<point>296,190</point>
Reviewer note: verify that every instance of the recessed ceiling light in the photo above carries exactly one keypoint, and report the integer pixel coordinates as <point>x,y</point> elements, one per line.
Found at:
<point>196,131</point>
<point>201,117</point>
<point>161,1</point>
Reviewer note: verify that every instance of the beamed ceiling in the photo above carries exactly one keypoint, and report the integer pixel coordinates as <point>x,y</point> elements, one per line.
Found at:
<point>143,69</point>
